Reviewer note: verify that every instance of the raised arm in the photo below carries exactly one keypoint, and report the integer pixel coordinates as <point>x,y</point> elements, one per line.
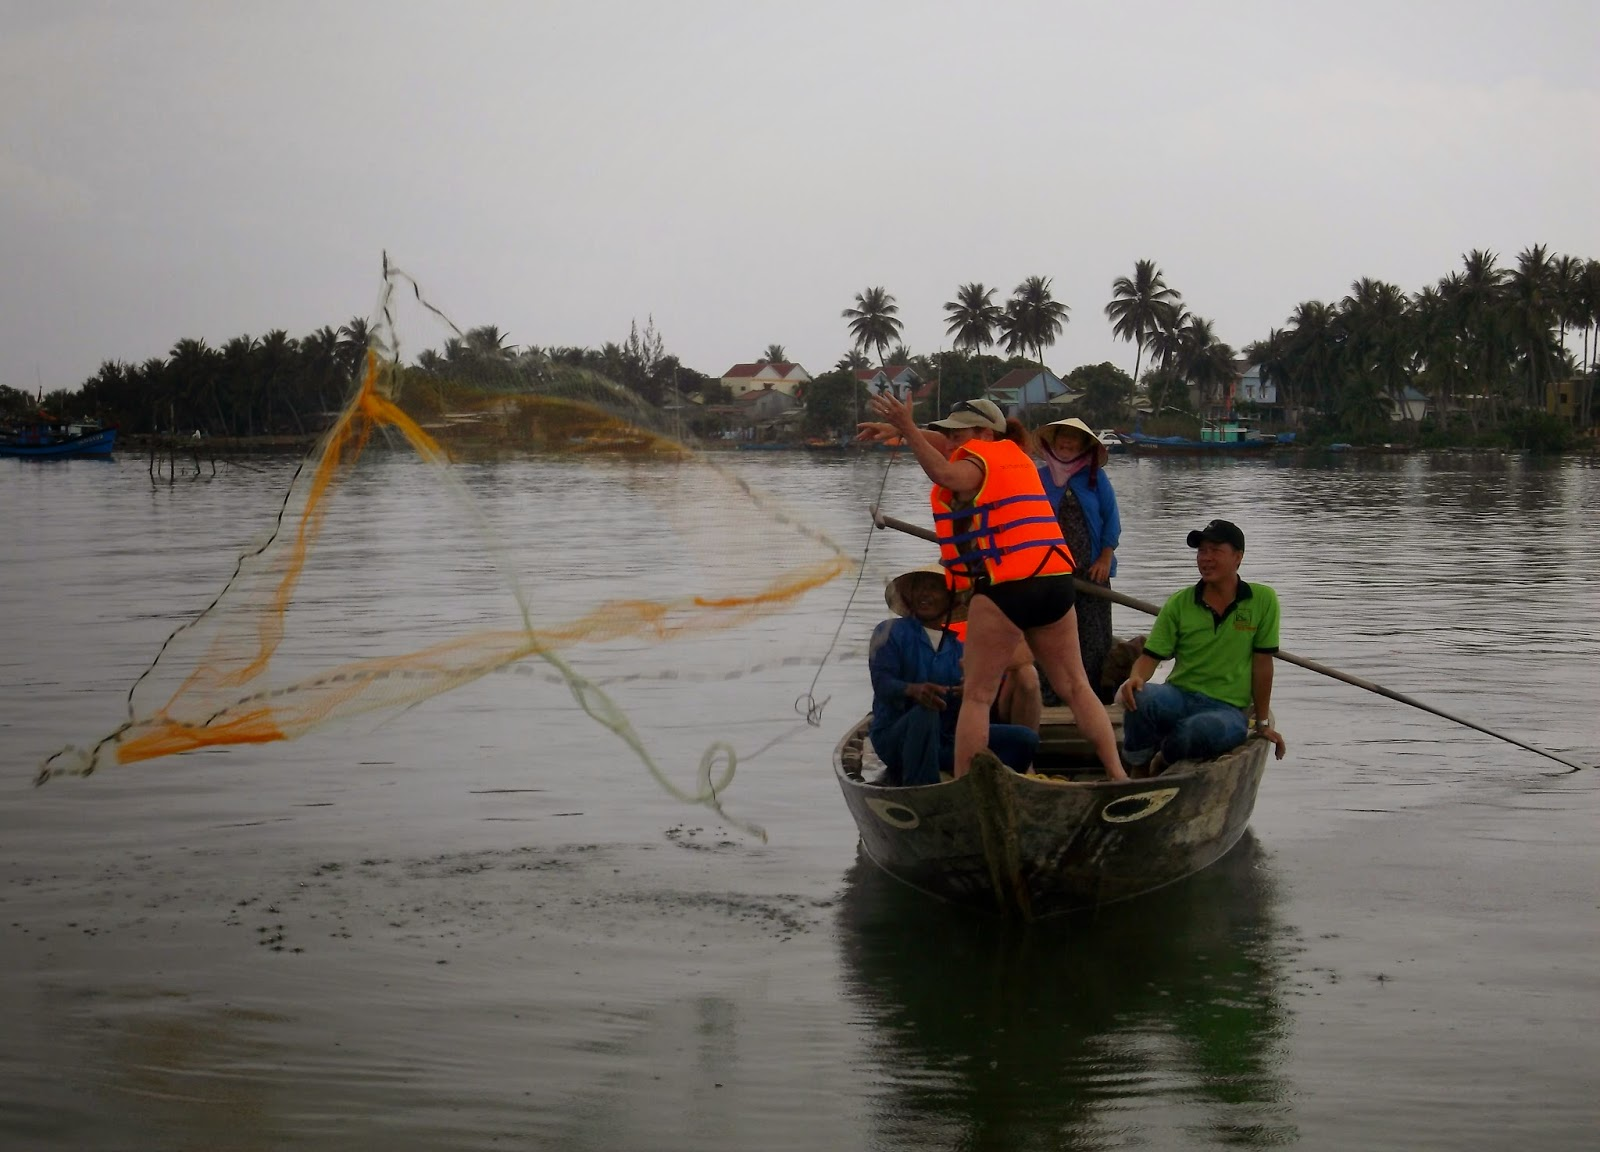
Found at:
<point>961,477</point>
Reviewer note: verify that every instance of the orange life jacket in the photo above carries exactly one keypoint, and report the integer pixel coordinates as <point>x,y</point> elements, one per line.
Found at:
<point>1009,532</point>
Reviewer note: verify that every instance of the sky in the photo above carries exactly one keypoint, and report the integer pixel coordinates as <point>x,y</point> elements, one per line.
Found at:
<point>741,170</point>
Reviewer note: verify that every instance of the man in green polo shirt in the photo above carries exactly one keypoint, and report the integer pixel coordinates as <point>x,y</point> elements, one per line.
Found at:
<point>1221,635</point>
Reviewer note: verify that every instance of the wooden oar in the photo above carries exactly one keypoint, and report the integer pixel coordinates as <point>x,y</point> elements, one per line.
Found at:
<point>1088,589</point>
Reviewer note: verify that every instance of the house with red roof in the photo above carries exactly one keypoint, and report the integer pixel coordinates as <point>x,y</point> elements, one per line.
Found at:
<point>781,375</point>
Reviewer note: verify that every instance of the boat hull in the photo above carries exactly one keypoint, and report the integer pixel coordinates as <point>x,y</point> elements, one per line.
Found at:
<point>98,443</point>
<point>1181,446</point>
<point>1021,846</point>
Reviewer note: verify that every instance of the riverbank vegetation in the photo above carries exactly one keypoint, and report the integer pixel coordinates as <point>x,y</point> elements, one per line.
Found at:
<point>1489,354</point>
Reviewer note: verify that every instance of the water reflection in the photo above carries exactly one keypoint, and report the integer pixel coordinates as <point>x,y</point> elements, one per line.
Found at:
<point>1054,1035</point>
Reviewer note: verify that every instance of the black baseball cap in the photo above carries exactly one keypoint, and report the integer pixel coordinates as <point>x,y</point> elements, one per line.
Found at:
<point>1218,532</point>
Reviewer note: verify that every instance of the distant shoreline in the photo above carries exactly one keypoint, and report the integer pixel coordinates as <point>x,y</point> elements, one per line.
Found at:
<point>277,445</point>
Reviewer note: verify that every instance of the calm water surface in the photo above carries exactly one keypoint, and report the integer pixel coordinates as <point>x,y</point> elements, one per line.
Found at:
<point>477,924</point>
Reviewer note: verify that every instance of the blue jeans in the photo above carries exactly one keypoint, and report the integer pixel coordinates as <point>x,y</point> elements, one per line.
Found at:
<point>915,749</point>
<point>1181,725</point>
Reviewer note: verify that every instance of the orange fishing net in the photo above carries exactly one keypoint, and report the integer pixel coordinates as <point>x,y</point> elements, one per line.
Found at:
<point>258,665</point>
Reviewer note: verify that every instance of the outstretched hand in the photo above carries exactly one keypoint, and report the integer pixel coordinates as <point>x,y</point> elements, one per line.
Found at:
<point>874,432</point>
<point>898,414</point>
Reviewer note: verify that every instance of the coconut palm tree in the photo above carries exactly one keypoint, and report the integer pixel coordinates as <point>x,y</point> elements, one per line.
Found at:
<point>1531,312</point>
<point>1271,356</point>
<point>1166,341</point>
<point>1206,362</point>
<point>1314,339</point>
<point>775,354</point>
<point>853,361</point>
<point>972,318</point>
<point>1139,305</point>
<point>1587,312</point>
<point>1566,282</point>
<point>1033,319</point>
<point>487,342</point>
<point>874,321</point>
<point>1442,370</point>
<point>1379,349</point>
<point>351,350</point>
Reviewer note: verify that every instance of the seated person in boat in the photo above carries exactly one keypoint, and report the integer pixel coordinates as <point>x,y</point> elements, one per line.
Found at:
<point>1220,634</point>
<point>915,662</point>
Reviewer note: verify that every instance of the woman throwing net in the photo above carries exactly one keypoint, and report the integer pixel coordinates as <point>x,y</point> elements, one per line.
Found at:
<point>998,535</point>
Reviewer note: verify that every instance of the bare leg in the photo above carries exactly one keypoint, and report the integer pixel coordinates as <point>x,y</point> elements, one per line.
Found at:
<point>991,641</point>
<point>1056,646</point>
<point>1020,701</point>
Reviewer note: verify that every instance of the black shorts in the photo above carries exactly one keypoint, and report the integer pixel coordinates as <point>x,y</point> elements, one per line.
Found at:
<point>1034,602</point>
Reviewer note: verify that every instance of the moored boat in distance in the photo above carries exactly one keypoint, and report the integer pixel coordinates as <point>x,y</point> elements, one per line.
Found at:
<point>44,439</point>
<point>1059,839</point>
<point>1217,438</point>
<point>1112,439</point>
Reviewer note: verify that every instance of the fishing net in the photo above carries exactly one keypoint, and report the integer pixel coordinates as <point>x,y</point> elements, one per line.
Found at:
<point>474,510</point>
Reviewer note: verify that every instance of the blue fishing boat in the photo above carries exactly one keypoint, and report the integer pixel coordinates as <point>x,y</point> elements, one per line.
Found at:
<point>1233,437</point>
<point>40,439</point>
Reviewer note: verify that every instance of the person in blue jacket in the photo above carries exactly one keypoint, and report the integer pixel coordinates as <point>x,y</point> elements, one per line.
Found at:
<point>1073,472</point>
<point>915,663</point>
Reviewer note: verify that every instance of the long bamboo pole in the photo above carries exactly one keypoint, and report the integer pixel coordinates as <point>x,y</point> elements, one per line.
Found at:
<point>1085,588</point>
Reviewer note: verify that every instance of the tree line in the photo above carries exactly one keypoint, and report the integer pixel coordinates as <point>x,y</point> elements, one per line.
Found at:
<point>1484,344</point>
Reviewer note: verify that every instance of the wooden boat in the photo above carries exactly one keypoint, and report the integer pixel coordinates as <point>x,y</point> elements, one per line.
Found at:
<point>1059,839</point>
<point>44,440</point>
<point>1217,438</point>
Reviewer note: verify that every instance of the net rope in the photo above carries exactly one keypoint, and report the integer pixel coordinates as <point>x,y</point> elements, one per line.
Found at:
<point>228,677</point>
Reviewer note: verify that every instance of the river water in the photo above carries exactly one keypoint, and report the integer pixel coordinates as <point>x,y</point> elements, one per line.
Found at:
<point>477,924</point>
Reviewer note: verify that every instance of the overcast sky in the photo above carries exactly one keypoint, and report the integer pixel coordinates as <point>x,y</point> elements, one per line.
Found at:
<point>742,169</point>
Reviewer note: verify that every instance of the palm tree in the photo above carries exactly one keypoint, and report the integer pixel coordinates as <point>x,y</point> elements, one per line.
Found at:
<point>1379,348</point>
<point>487,342</point>
<point>192,371</point>
<point>973,317</point>
<point>1437,335</point>
<point>1033,319</point>
<point>1479,295</point>
<point>852,361</point>
<point>1532,312</point>
<point>277,354</point>
<point>320,367</point>
<point>1587,312</point>
<point>1166,341</point>
<point>1314,339</point>
<point>351,350</point>
<point>1566,281</point>
<point>775,354</point>
<point>1205,361</point>
<point>874,321</point>
<point>1139,307</point>
<point>1271,356</point>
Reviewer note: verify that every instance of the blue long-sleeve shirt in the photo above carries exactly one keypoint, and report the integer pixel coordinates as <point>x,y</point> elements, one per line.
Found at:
<point>901,654</point>
<point>1100,513</point>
